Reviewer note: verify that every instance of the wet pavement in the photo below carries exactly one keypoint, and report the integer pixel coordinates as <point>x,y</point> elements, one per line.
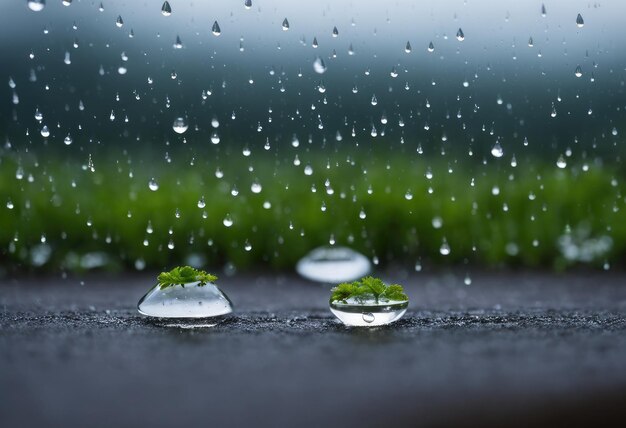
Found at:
<point>511,349</point>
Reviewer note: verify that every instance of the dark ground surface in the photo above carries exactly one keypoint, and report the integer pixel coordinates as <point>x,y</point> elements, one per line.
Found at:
<point>512,349</point>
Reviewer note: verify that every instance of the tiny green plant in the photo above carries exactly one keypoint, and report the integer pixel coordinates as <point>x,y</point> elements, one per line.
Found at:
<point>367,289</point>
<point>184,275</point>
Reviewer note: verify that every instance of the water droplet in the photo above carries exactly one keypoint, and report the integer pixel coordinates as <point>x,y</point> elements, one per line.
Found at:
<point>201,203</point>
<point>444,250</point>
<point>285,25</point>
<point>374,100</point>
<point>36,5</point>
<point>319,66</point>
<point>119,22</point>
<point>45,132</point>
<point>578,72</point>
<point>333,265</point>
<point>185,301</point>
<point>178,44</point>
<point>531,43</point>
<point>180,125</point>
<point>408,47</point>
<point>497,150</point>
<point>215,29</point>
<point>256,187</point>
<point>431,47</point>
<point>166,9</point>
<point>247,4</point>
<point>579,21</point>
<point>460,36</point>
<point>467,280</point>
<point>67,140</point>
<point>560,162</point>
<point>368,317</point>
<point>335,32</point>
<point>543,10</point>
<point>153,185</point>
<point>228,221</point>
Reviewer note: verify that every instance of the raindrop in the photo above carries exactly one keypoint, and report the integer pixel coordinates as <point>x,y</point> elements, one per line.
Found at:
<point>178,44</point>
<point>314,44</point>
<point>408,48</point>
<point>216,30</point>
<point>460,36</point>
<point>180,125</point>
<point>374,100</point>
<point>308,170</point>
<point>248,4</point>
<point>36,5</point>
<point>497,150</point>
<point>67,140</point>
<point>467,280</point>
<point>579,21</point>
<point>285,25</point>
<point>333,265</point>
<point>256,187</point>
<point>38,115</point>
<point>445,248</point>
<point>335,32</point>
<point>431,47</point>
<point>201,203</point>
<point>228,221</point>
<point>319,66</point>
<point>153,185</point>
<point>560,162</point>
<point>45,132</point>
<point>578,72</point>
<point>543,10</point>
<point>368,317</point>
<point>66,2</point>
<point>119,22</point>
<point>531,43</point>
<point>166,9</point>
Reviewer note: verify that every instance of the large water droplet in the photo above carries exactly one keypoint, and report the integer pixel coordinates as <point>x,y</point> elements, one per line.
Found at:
<point>180,125</point>
<point>333,265</point>
<point>36,5</point>
<point>188,301</point>
<point>497,150</point>
<point>166,9</point>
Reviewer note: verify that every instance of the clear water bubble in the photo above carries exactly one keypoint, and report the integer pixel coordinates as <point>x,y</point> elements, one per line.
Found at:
<point>166,9</point>
<point>185,301</point>
<point>333,265</point>
<point>180,125</point>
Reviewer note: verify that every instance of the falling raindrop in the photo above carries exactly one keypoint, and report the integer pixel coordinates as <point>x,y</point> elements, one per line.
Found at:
<point>216,30</point>
<point>431,47</point>
<point>201,203</point>
<point>67,140</point>
<point>319,66</point>
<point>36,5</point>
<point>460,36</point>
<point>45,132</point>
<point>180,125</point>
<point>578,72</point>
<point>166,9</point>
<point>543,10</point>
<point>153,185</point>
<point>248,4</point>
<point>444,250</point>
<point>408,48</point>
<point>497,150</point>
<point>335,32</point>
<point>228,221</point>
<point>560,162</point>
<point>119,22</point>
<point>531,43</point>
<point>579,21</point>
<point>285,25</point>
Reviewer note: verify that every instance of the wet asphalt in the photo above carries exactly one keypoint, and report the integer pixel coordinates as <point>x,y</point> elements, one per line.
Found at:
<point>511,349</point>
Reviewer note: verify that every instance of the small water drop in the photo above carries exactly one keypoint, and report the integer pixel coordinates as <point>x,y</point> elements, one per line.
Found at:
<point>579,21</point>
<point>319,66</point>
<point>256,187</point>
<point>67,140</point>
<point>180,125</point>
<point>153,185</point>
<point>578,72</point>
<point>560,162</point>
<point>201,203</point>
<point>543,10</point>
<point>228,221</point>
<point>431,47</point>
<point>45,132</point>
<point>166,9</point>
<point>215,29</point>
<point>408,47</point>
<point>36,5</point>
<point>285,25</point>
<point>335,32</point>
<point>119,22</point>
<point>368,317</point>
<point>460,36</point>
<point>444,250</point>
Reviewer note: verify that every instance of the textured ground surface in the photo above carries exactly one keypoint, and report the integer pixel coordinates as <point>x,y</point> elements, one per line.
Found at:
<point>509,349</point>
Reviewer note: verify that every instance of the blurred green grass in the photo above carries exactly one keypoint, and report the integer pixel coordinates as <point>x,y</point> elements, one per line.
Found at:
<point>490,213</point>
